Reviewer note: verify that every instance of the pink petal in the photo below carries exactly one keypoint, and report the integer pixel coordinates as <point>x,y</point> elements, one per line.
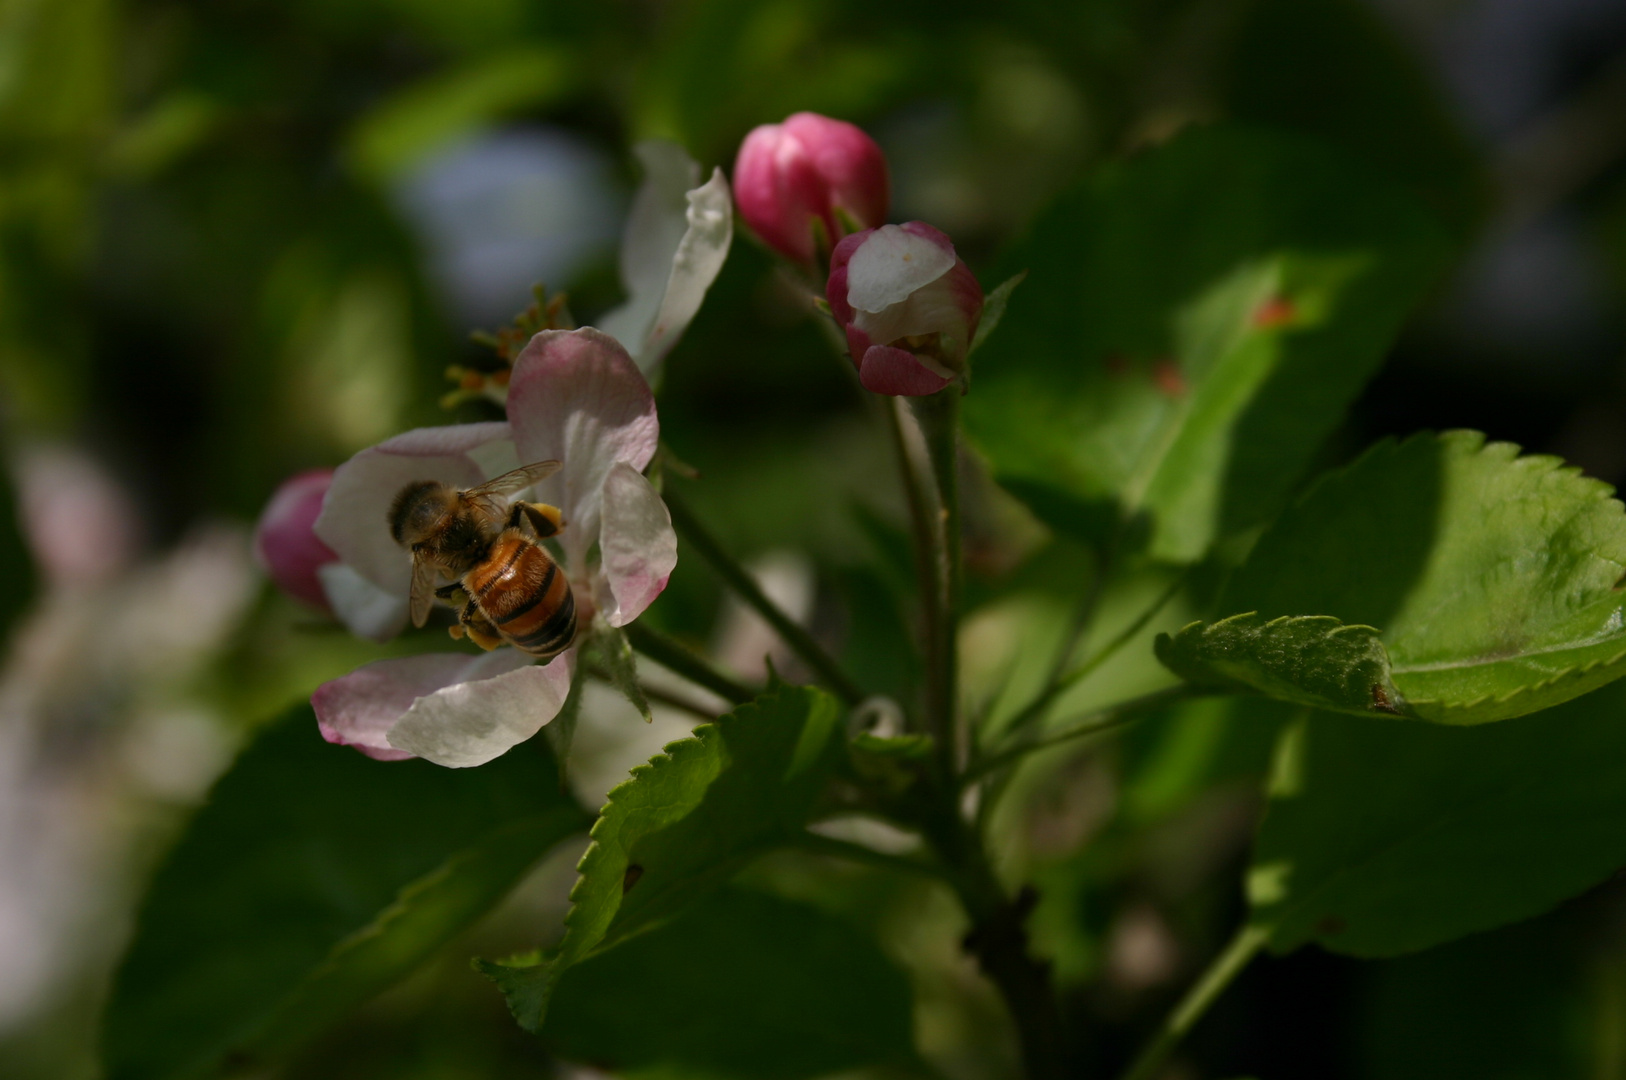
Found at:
<point>835,289</point>
<point>638,546</point>
<point>849,162</point>
<point>284,542</point>
<point>886,370</point>
<point>577,397</point>
<point>474,721</point>
<point>779,191</point>
<point>789,175</point>
<point>360,708</point>
<point>353,518</point>
<point>365,609</point>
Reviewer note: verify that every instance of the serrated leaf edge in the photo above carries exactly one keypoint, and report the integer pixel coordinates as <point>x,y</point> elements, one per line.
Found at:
<point>1574,671</point>
<point>1399,705</point>
<point>671,754</point>
<point>1477,444</point>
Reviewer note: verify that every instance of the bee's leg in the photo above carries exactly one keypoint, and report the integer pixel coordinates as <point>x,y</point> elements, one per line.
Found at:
<point>546,520</point>
<point>453,592</point>
<point>478,628</point>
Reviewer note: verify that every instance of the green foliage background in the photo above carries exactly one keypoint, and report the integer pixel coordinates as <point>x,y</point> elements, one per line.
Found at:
<point>206,278</point>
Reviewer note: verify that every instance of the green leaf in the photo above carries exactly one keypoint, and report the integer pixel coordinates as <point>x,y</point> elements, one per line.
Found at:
<point>993,309</point>
<point>679,827</point>
<point>1491,577</point>
<point>1386,838</point>
<point>312,879</point>
<point>1310,660</point>
<point>1453,1011</point>
<point>746,985</point>
<point>1196,320</point>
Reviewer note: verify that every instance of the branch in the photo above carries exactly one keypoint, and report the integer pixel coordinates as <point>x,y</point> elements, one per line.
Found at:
<point>1125,712</point>
<point>1225,967</point>
<point>670,654</point>
<point>735,576</point>
<point>1058,684</point>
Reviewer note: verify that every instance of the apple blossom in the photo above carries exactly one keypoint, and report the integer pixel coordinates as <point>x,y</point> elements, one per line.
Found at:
<point>576,397</point>
<point>807,172</point>
<point>674,244</point>
<point>284,542</point>
<point>908,305</point>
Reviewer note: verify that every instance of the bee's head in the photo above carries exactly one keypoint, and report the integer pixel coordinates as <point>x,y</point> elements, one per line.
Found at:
<point>419,509</point>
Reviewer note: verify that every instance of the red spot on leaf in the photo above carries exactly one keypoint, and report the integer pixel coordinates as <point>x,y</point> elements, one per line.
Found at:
<point>1168,379</point>
<point>1117,364</point>
<point>1277,311</point>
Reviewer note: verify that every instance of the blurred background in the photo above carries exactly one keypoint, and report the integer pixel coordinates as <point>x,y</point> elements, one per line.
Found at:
<point>239,239</point>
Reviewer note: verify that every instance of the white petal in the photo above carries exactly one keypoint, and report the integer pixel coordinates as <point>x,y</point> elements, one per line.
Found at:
<point>694,267</point>
<point>360,708</point>
<point>474,721</point>
<point>353,518</point>
<point>655,228</point>
<point>891,264</point>
<point>932,308</point>
<point>577,397</point>
<point>365,609</point>
<point>636,543</point>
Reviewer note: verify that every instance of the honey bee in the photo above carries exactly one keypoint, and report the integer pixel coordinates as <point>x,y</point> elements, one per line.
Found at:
<point>510,591</point>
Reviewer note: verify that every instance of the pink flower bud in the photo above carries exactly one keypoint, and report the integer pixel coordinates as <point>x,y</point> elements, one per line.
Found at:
<point>909,307</point>
<point>286,545</point>
<point>810,168</point>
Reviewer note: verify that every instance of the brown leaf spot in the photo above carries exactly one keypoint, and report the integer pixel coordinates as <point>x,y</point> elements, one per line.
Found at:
<point>1117,365</point>
<point>630,878</point>
<point>1381,702</point>
<point>1277,311</point>
<point>1331,925</point>
<point>1168,379</point>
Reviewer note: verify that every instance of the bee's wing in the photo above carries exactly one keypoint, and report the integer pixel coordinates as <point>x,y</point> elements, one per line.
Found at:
<point>491,497</point>
<point>510,482</point>
<point>423,588</point>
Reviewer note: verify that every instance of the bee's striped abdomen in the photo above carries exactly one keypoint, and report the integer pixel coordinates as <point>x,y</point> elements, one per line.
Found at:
<point>525,596</point>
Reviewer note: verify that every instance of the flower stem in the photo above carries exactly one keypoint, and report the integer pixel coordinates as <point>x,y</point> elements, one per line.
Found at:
<point>670,654</point>
<point>998,937</point>
<point>1225,967</point>
<point>921,529</point>
<point>736,577</point>
<point>1058,684</point>
<point>1113,716</point>
<point>939,417</point>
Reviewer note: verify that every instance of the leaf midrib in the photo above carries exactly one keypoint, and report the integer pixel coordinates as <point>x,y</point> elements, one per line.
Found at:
<point>1462,665</point>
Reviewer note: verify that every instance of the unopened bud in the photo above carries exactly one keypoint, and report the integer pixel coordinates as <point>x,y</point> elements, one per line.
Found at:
<point>286,545</point>
<point>908,305</point>
<point>808,176</point>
